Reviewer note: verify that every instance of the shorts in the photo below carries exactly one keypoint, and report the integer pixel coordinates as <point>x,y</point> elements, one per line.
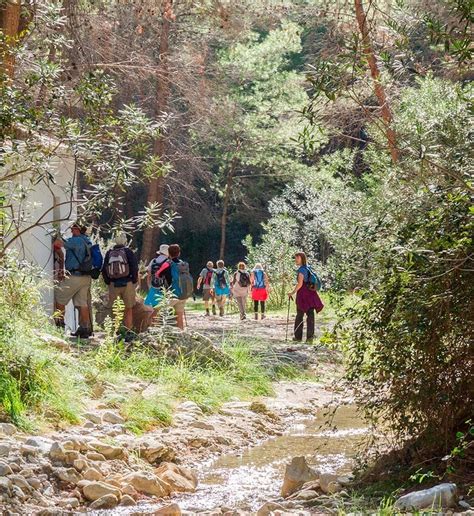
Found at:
<point>75,287</point>
<point>126,293</point>
<point>208,295</point>
<point>178,305</point>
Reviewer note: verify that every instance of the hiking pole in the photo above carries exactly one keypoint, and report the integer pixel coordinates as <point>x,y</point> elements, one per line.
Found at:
<point>288,317</point>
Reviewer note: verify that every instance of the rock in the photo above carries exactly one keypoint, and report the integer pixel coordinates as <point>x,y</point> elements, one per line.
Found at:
<point>258,407</point>
<point>72,502</point>
<point>5,469</point>
<point>180,479</point>
<point>18,493</point>
<point>268,508</point>
<point>42,443</point>
<point>329,484</point>
<point>5,486</point>
<point>154,451</point>
<point>296,474</point>
<point>190,406</point>
<point>54,341</point>
<point>95,456</point>
<point>34,483</point>
<point>127,501</point>
<point>95,490</point>
<point>464,505</point>
<point>7,429</point>
<point>105,502</point>
<point>80,464</point>
<point>202,425</point>
<point>107,450</point>
<point>69,475</point>
<point>147,483</point>
<point>113,417</point>
<point>440,496</point>
<point>5,450</point>
<point>308,494</point>
<point>92,474</point>
<point>170,510</point>
<point>21,482</point>
<point>57,453</point>
<point>93,417</point>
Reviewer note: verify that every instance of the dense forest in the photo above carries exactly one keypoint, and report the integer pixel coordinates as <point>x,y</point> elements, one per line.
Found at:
<point>250,130</point>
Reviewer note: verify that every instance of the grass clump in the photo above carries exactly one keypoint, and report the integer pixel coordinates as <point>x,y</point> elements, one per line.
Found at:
<point>145,414</point>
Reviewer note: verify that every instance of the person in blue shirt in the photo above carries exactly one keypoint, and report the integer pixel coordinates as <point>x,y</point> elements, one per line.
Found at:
<point>221,286</point>
<point>76,285</point>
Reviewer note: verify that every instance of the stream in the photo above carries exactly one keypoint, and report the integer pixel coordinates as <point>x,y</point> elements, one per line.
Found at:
<point>248,479</point>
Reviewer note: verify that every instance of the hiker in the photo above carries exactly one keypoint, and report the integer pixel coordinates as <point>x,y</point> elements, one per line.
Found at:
<point>259,282</point>
<point>240,288</point>
<point>173,275</point>
<point>77,281</point>
<point>221,286</point>
<point>307,298</point>
<point>120,273</point>
<point>155,264</point>
<point>205,279</point>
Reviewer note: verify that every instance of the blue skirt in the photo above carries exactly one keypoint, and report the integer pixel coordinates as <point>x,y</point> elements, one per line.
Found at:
<point>153,297</point>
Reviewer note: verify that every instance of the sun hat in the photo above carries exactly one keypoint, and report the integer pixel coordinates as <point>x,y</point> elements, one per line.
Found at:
<point>163,249</point>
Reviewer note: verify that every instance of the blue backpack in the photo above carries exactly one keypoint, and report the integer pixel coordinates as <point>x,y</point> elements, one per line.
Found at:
<point>259,281</point>
<point>312,282</point>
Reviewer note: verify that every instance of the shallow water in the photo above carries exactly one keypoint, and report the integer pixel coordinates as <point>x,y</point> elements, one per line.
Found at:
<point>249,479</point>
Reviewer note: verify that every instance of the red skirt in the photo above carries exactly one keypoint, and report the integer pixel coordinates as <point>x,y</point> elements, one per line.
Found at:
<point>259,294</point>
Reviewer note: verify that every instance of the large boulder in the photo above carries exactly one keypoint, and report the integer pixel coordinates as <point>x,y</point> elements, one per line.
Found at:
<point>437,497</point>
<point>296,475</point>
<point>94,490</point>
<point>147,483</point>
<point>170,510</point>
<point>107,450</point>
<point>107,501</point>
<point>180,479</point>
<point>153,451</point>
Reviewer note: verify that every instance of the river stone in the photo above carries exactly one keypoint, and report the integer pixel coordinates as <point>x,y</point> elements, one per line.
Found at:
<point>92,474</point>
<point>5,469</point>
<point>153,451</point>
<point>107,450</point>
<point>42,443</point>
<point>308,494</point>
<point>18,493</point>
<point>93,417</point>
<point>54,341</point>
<point>329,483</point>
<point>170,510</point>
<point>147,483</point>
<point>296,474</point>
<point>190,406</point>
<point>5,485</point>
<point>104,502</point>
<point>34,483</point>
<point>95,490</point>
<point>202,425</point>
<point>57,453</point>
<point>69,475</point>
<point>440,496</point>
<point>72,502</point>
<point>95,456</point>
<point>7,429</point>
<point>113,417</point>
<point>127,501</point>
<point>180,479</point>
<point>268,508</point>
<point>5,449</point>
<point>80,464</point>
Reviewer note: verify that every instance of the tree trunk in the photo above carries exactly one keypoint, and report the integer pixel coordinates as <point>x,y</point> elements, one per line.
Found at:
<point>375,73</point>
<point>156,186</point>
<point>225,207</point>
<point>9,25</point>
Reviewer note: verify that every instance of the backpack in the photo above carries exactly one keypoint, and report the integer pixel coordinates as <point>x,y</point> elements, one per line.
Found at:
<point>208,277</point>
<point>185,280</point>
<point>118,266</point>
<point>88,266</point>
<point>313,282</point>
<point>156,281</point>
<point>259,279</point>
<point>244,279</point>
<point>221,280</point>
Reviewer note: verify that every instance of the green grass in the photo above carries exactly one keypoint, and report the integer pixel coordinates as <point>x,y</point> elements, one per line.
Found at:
<point>145,414</point>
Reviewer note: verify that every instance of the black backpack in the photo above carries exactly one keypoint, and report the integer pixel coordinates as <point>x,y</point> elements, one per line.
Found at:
<point>158,281</point>
<point>221,281</point>
<point>244,278</point>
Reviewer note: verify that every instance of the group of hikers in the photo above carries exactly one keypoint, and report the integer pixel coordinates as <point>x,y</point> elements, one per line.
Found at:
<point>169,281</point>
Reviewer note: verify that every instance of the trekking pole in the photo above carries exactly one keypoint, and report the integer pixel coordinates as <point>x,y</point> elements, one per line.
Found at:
<point>185,319</point>
<point>288,318</point>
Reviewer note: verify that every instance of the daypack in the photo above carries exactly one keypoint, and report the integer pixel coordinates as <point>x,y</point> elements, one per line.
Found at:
<point>259,279</point>
<point>158,281</point>
<point>97,258</point>
<point>221,279</point>
<point>88,266</point>
<point>185,280</point>
<point>244,278</point>
<point>208,277</point>
<point>313,282</point>
<point>118,266</point>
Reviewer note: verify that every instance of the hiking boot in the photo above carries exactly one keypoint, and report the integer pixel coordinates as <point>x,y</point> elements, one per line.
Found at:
<point>256,316</point>
<point>129,336</point>
<point>207,312</point>
<point>243,317</point>
<point>213,309</point>
<point>82,333</point>
<point>221,312</point>
<point>263,316</point>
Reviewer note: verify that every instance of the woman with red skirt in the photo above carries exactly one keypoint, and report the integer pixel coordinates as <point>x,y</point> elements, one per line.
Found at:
<point>259,282</point>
